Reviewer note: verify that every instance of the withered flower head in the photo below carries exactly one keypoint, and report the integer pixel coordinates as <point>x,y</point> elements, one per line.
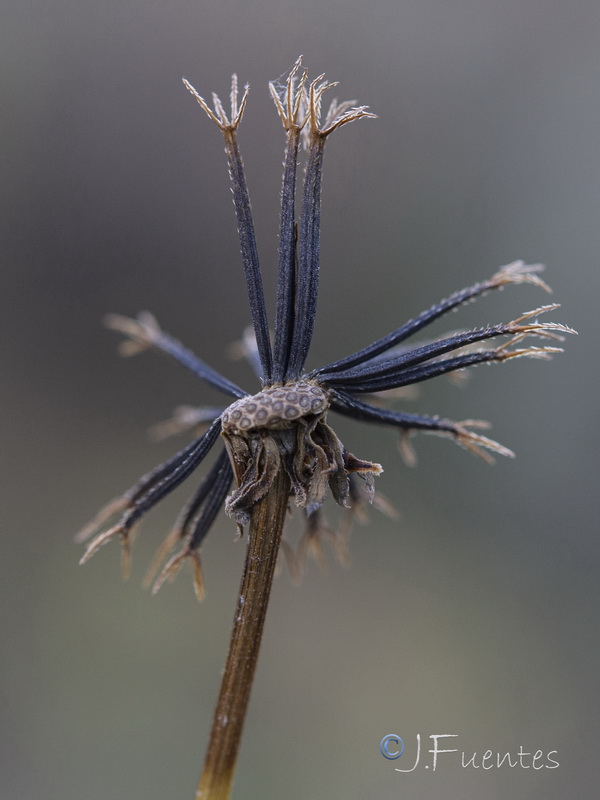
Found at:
<point>285,425</point>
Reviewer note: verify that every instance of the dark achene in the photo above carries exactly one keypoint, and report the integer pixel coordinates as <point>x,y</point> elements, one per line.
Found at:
<point>279,440</point>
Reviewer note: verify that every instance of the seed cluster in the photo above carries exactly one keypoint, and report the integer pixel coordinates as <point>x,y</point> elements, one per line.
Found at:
<point>284,426</point>
<point>275,408</point>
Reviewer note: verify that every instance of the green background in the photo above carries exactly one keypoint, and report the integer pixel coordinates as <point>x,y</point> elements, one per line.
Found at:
<point>476,612</point>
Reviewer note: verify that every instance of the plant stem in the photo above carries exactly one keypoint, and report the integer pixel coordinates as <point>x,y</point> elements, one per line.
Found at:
<point>266,526</point>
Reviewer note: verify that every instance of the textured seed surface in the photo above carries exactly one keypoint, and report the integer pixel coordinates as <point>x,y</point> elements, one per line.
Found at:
<point>274,408</point>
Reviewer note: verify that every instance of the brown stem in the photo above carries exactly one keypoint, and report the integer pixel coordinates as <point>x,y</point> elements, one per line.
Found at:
<point>266,525</point>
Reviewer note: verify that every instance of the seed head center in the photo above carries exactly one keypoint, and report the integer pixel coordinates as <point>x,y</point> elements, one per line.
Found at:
<point>275,408</point>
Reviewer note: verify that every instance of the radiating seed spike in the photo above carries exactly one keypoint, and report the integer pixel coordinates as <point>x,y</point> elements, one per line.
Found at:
<point>114,506</point>
<point>202,102</point>
<point>99,541</point>
<point>198,576</point>
<point>233,97</point>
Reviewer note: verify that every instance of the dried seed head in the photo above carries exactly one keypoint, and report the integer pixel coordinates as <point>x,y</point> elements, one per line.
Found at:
<point>219,116</point>
<point>338,114</point>
<point>284,426</point>
<point>289,96</point>
<point>517,273</point>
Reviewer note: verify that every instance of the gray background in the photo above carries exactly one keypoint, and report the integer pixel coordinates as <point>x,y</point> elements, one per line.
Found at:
<point>475,612</point>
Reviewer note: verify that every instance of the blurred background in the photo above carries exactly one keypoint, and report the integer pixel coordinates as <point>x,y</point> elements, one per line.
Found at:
<point>475,612</point>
